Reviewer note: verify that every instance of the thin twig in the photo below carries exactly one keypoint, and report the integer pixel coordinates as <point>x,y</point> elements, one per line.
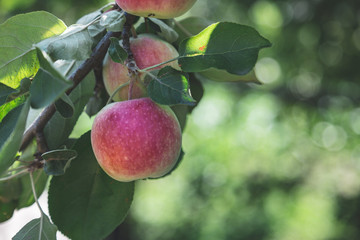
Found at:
<point>130,62</point>
<point>22,172</point>
<point>37,203</point>
<point>34,191</point>
<point>16,169</point>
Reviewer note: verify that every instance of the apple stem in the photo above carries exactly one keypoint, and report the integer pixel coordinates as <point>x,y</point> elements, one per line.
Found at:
<point>133,31</point>
<point>147,25</point>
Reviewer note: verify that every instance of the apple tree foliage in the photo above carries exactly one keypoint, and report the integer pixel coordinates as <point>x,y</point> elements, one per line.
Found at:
<point>46,65</point>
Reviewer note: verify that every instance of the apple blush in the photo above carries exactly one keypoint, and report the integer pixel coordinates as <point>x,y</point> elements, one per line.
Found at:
<point>136,139</point>
<point>163,9</point>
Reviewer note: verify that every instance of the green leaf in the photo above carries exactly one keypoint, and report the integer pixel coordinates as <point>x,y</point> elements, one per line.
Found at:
<point>148,28</point>
<point>170,87</point>
<point>79,96</point>
<point>197,90</point>
<point>27,198</point>
<point>10,190</point>
<point>168,33</point>
<point>228,46</point>
<point>96,203</point>
<point>7,107</point>
<point>17,36</point>
<point>218,75</point>
<point>32,230</point>
<point>48,84</point>
<point>96,102</point>
<point>9,193</point>
<point>88,18</point>
<point>65,106</point>
<point>113,21</point>
<point>8,124</point>
<point>22,90</point>
<point>75,43</point>
<point>10,143</point>
<point>58,161</point>
<point>7,210</point>
<point>116,52</point>
<point>67,67</point>
<point>181,112</point>
<point>5,91</point>
<point>191,26</point>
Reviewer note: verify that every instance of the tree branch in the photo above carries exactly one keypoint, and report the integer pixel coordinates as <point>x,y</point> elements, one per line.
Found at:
<point>130,62</point>
<point>96,58</point>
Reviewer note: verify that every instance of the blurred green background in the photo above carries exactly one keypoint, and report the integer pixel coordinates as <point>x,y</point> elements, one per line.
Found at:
<point>277,161</point>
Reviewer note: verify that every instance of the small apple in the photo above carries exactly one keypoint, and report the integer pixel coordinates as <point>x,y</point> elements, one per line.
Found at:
<point>136,139</point>
<point>163,9</point>
<point>148,50</point>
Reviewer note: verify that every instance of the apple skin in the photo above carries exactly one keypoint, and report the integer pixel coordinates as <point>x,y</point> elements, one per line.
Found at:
<point>136,139</point>
<point>148,50</point>
<point>163,9</point>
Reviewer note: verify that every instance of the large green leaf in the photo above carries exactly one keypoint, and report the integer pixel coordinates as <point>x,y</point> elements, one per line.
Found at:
<point>191,26</point>
<point>73,44</point>
<point>48,84</point>
<point>85,203</point>
<point>194,25</point>
<point>17,37</point>
<point>40,228</point>
<point>10,143</point>
<point>79,96</point>
<point>228,46</point>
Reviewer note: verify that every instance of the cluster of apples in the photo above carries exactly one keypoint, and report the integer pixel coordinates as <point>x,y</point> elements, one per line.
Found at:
<point>138,139</point>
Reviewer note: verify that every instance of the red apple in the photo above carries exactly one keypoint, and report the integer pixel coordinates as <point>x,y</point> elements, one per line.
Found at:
<point>148,50</point>
<point>163,9</point>
<point>136,139</point>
